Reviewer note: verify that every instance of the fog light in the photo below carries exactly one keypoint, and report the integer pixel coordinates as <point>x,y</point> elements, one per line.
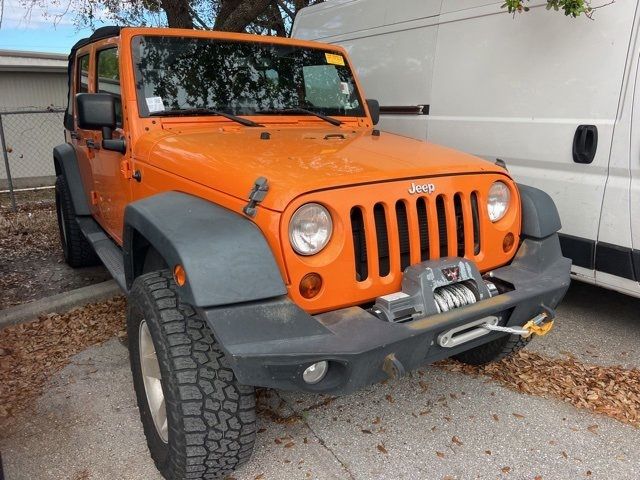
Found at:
<point>310,285</point>
<point>508,242</point>
<point>316,372</point>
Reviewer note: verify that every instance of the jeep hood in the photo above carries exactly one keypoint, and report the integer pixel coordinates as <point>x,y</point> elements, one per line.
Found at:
<point>296,161</point>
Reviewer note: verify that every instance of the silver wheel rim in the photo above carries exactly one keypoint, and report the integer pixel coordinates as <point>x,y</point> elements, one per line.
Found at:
<point>153,382</point>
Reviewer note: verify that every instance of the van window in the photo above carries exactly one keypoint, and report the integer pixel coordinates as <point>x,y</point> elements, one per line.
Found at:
<point>108,75</point>
<point>83,74</point>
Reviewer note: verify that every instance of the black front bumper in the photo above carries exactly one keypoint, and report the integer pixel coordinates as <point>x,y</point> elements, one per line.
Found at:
<point>270,343</point>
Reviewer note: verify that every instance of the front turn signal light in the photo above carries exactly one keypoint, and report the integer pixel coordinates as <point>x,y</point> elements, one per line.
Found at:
<point>508,241</point>
<point>310,285</point>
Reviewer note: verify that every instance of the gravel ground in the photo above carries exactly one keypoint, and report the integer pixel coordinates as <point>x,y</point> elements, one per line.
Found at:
<point>31,261</point>
<point>434,424</point>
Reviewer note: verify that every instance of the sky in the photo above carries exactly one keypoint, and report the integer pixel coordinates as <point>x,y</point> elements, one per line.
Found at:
<point>39,31</point>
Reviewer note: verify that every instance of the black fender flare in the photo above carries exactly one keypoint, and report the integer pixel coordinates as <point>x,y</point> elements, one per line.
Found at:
<point>540,216</point>
<point>225,255</point>
<point>66,163</point>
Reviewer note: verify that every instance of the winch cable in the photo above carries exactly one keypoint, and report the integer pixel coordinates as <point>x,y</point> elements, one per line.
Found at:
<point>453,296</point>
<point>459,295</point>
<point>535,326</point>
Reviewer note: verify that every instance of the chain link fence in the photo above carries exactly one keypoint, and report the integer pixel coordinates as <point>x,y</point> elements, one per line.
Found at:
<point>27,139</point>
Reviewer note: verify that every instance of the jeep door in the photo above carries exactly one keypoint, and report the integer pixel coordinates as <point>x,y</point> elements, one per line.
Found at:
<point>83,140</point>
<point>110,169</point>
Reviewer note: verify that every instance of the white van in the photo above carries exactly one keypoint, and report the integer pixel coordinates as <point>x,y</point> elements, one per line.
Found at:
<point>554,97</point>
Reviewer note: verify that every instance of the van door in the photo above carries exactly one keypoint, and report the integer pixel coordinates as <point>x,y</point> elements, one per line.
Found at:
<point>634,169</point>
<point>535,90</point>
<point>112,177</point>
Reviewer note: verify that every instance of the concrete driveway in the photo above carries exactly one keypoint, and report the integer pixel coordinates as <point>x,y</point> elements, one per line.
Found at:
<point>434,424</point>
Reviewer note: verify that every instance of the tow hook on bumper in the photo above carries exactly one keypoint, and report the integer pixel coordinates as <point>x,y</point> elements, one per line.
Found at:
<point>540,325</point>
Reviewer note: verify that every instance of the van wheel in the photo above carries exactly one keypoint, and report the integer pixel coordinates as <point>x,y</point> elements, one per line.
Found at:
<point>198,420</point>
<point>493,351</point>
<point>78,252</point>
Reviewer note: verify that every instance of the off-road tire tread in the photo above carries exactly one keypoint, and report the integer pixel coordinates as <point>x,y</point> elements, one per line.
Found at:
<point>78,252</point>
<point>493,351</point>
<point>214,431</point>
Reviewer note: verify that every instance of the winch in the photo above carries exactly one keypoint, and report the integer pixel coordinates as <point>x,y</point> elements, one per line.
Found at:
<point>434,287</point>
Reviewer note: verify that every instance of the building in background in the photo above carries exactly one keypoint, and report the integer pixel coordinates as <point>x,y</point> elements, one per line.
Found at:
<point>33,93</point>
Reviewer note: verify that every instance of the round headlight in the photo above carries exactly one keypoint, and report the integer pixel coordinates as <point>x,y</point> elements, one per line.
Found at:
<point>498,202</point>
<point>310,229</point>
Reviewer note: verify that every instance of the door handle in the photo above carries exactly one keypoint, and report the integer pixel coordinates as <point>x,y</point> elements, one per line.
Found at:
<point>92,144</point>
<point>585,143</point>
<point>74,135</point>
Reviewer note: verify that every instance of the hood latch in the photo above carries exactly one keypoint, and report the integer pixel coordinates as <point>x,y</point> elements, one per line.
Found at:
<point>256,195</point>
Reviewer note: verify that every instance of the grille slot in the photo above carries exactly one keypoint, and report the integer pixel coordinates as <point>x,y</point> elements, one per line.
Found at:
<point>442,226</point>
<point>476,223</point>
<point>438,223</point>
<point>359,244</point>
<point>382,236</point>
<point>403,234</point>
<point>423,226</point>
<point>457,205</point>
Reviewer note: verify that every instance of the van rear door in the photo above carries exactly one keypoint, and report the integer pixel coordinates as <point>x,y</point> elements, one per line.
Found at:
<point>533,90</point>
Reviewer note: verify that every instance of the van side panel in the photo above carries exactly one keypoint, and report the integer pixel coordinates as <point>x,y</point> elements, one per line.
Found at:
<point>518,87</point>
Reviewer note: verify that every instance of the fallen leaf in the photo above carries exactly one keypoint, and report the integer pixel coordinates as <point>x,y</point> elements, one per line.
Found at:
<point>506,469</point>
<point>440,454</point>
<point>381,448</point>
<point>564,454</point>
<point>364,430</point>
<point>496,418</point>
<point>389,398</point>
<point>488,452</point>
<point>457,441</point>
<point>289,445</point>
<point>593,429</point>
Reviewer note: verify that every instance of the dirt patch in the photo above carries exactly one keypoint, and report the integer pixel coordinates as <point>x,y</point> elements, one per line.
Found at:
<point>608,390</point>
<point>31,261</point>
<point>31,353</point>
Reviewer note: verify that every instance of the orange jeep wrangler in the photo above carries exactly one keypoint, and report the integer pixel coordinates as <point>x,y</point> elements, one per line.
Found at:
<point>268,235</point>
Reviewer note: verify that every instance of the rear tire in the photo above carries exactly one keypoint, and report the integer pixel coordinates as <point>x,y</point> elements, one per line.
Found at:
<point>493,351</point>
<point>78,252</point>
<point>210,416</point>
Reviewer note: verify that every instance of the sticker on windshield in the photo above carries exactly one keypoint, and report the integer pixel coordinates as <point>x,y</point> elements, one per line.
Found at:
<point>155,104</point>
<point>344,88</point>
<point>334,59</point>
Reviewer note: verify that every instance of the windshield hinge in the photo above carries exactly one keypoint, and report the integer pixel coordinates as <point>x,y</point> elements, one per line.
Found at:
<point>256,195</point>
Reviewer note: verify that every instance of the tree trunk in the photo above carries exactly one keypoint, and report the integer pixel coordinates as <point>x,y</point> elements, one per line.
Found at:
<point>235,15</point>
<point>178,13</point>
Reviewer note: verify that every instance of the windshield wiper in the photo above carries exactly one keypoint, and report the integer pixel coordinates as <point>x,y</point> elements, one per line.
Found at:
<point>326,118</point>
<point>178,112</point>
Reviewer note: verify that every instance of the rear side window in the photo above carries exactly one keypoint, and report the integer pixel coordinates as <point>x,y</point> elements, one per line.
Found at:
<point>83,74</point>
<point>108,75</point>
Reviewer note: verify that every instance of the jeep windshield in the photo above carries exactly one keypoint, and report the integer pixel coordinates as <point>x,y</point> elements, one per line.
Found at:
<point>196,75</point>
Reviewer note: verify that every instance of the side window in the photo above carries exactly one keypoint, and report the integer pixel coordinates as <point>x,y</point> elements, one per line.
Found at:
<point>108,75</point>
<point>83,74</point>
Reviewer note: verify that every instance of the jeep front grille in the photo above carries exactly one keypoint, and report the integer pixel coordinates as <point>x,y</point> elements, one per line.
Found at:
<point>392,236</point>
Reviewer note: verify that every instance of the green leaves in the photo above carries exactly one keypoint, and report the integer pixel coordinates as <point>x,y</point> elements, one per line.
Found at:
<point>571,8</point>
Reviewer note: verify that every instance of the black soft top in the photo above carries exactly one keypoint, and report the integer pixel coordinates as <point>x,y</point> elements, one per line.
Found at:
<point>99,34</point>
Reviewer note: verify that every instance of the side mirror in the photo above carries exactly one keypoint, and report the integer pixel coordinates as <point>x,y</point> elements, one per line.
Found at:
<point>374,110</point>
<point>97,111</point>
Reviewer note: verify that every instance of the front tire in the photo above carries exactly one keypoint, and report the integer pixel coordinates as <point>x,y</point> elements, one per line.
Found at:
<point>78,252</point>
<point>494,350</point>
<point>210,417</point>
